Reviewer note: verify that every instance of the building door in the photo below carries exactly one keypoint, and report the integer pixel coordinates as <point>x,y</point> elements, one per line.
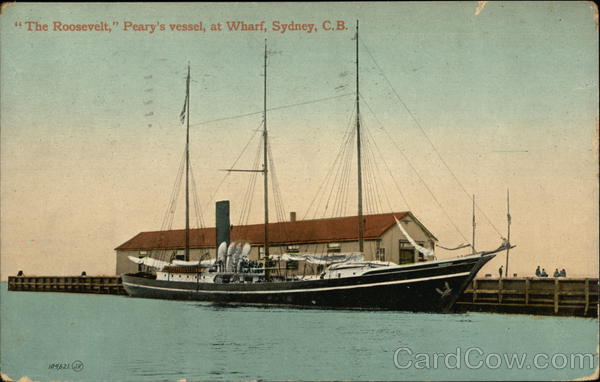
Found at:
<point>407,253</point>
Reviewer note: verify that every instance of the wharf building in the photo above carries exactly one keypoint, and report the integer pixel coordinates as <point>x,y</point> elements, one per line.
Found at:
<point>383,241</point>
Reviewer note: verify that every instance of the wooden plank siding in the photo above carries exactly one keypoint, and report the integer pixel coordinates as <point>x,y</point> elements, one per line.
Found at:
<point>532,295</point>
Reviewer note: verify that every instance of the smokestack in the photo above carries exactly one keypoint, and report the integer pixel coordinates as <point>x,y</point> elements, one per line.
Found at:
<point>222,223</point>
<point>293,216</point>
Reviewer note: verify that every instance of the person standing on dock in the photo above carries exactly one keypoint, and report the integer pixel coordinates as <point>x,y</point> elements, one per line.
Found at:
<point>538,272</point>
<point>563,273</point>
<point>500,271</point>
<point>556,272</point>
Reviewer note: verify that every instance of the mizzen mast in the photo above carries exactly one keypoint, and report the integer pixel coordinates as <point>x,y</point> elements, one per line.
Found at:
<point>361,226</point>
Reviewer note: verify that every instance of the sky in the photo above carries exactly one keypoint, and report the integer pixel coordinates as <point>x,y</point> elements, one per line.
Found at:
<point>460,99</point>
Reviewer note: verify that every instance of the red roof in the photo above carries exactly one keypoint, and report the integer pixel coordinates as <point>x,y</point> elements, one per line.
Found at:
<point>298,232</point>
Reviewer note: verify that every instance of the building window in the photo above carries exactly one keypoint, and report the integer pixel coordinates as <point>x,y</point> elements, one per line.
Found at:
<point>293,249</point>
<point>261,253</point>
<point>180,254</point>
<point>334,247</point>
<point>407,253</point>
<point>420,256</point>
<point>291,265</point>
<point>380,254</point>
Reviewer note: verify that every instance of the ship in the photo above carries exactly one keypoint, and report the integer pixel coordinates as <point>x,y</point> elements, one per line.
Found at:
<point>348,281</point>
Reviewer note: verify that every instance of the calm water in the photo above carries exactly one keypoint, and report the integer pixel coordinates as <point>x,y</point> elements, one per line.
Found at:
<point>125,339</point>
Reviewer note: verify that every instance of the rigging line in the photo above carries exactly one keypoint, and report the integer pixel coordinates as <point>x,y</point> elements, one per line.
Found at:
<point>197,213</point>
<point>379,189</point>
<point>172,207</point>
<point>428,139</point>
<point>415,171</point>
<point>387,197</point>
<point>331,179</point>
<point>337,175</point>
<point>210,199</point>
<point>244,200</point>
<point>388,168</point>
<point>173,193</point>
<point>374,142</point>
<point>197,209</point>
<point>320,194</point>
<point>372,182</point>
<point>170,213</point>
<point>246,146</point>
<point>247,200</point>
<point>277,195</point>
<point>371,185</point>
<point>249,192</point>
<point>370,170</point>
<point>227,173</point>
<point>255,176</point>
<point>277,198</point>
<point>330,171</point>
<point>337,162</point>
<point>345,185</point>
<point>339,209</point>
<point>333,183</point>
<point>367,179</point>
<point>338,186</point>
<point>195,199</point>
<point>349,165</point>
<point>349,161</point>
<point>270,109</point>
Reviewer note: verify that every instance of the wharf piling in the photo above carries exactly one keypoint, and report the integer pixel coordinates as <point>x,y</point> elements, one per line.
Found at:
<point>532,295</point>
<point>73,284</point>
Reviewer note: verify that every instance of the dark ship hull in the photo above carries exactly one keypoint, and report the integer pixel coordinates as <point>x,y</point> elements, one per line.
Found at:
<point>424,287</point>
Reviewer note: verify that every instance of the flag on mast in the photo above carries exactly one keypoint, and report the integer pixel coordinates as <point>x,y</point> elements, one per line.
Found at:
<point>183,111</point>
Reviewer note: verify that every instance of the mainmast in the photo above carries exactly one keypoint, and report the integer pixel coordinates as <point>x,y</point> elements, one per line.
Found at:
<point>361,226</point>
<point>265,167</point>
<point>187,170</point>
